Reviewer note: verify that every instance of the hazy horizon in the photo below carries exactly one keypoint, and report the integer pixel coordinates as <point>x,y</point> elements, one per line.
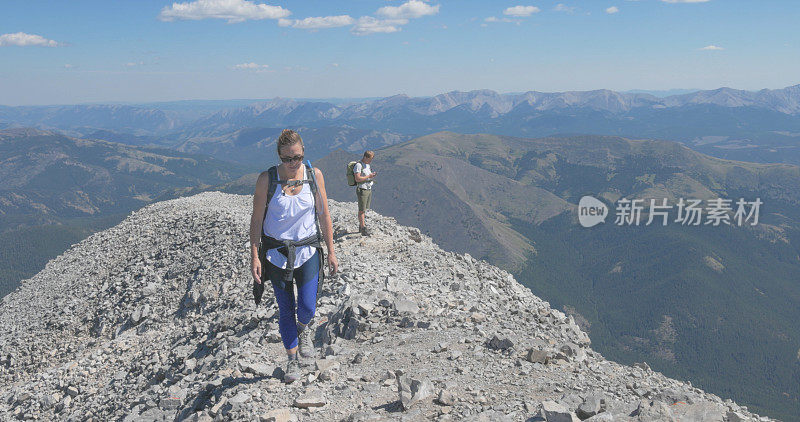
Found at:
<point>661,93</point>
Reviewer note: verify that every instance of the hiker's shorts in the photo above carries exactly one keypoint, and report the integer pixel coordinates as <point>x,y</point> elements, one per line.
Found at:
<point>364,199</point>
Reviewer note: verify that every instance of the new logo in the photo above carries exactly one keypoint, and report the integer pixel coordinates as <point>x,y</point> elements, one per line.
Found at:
<point>591,211</point>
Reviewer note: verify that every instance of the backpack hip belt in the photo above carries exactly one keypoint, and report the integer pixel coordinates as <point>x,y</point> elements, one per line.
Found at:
<point>288,249</point>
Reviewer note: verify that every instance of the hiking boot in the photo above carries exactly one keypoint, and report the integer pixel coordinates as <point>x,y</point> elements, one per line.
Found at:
<point>292,372</point>
<point>364,231</point>
<point>305,341</point>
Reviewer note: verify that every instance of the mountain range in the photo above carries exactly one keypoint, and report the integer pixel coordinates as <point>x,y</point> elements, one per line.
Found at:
<point>487,103</point>
<point>761,126</point>
<point>77,119</point>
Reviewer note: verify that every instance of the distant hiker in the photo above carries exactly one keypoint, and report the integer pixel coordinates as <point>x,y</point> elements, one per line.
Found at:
<point>289,206</point>
<point>364,175</point>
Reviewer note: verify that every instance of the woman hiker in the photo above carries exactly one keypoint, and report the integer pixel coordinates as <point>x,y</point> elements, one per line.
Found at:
<point>289,229</point>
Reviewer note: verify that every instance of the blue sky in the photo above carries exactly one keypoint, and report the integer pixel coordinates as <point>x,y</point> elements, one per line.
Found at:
<point>65,52</point>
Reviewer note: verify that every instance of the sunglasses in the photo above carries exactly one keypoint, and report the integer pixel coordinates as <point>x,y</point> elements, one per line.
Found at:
<point>290,159</point>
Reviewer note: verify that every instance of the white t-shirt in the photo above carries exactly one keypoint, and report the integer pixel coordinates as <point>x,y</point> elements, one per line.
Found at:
<point>365,171</point>
<point>291,217</point>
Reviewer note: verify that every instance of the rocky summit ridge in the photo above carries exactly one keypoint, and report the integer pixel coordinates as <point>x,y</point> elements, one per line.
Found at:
<point>153,320</point>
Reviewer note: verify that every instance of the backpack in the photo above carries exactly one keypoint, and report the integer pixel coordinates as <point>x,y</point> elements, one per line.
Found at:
<point>258,288</point>
<point>351,177</point>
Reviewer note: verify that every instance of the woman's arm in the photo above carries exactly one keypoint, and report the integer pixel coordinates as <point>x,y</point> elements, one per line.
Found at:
<point>325,220</point>
<point>257,221</point>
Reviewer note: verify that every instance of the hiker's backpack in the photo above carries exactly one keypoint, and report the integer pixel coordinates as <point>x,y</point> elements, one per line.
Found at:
<point>311,179</point>
<point>351,177</point>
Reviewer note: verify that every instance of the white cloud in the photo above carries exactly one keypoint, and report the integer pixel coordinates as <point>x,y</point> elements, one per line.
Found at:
<point>69,66</point>
<point>712,48</point>
<point>409,10</point>
<point>251,66</point>
<point>21,39</point>
<point>613,9</point>
<point>367,25</point>
<point>390,19</point>
<point>231,10</point>
<point>684,1</point>
<point>494,19</point>
<point>561,7</point>
<point>321,22</point>
<point>521,11</point>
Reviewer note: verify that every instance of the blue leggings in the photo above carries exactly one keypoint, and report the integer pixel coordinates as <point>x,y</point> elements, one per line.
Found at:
<point>307,278</point>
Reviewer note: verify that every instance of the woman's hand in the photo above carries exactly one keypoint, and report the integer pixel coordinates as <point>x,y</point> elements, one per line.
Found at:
<point>333,264</point>
<point>255,268</point>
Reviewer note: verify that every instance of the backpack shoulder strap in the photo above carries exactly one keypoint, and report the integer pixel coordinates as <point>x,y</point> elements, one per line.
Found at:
<point>273,184</point>
<point>312,179</point>
<point>313,185</point>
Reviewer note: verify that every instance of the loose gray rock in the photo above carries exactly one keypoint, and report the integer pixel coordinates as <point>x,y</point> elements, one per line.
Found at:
<point>312,398</point>
<point>590,407</point>
<point>169,403</point>
<point>446,398</point>
<point>258,369</point>
<point>536,356</point>
<point>279,415</point>
<point>413,391</point>
<point>140,313</point>
<point>239,398</point>
<point>489,416</point>
<point>406,306</point>
<point>500,343</point>
<point>555,412</point>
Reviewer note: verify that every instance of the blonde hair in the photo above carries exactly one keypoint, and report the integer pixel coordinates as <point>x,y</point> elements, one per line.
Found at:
<point>288,138</point>
<point>369,154</point>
